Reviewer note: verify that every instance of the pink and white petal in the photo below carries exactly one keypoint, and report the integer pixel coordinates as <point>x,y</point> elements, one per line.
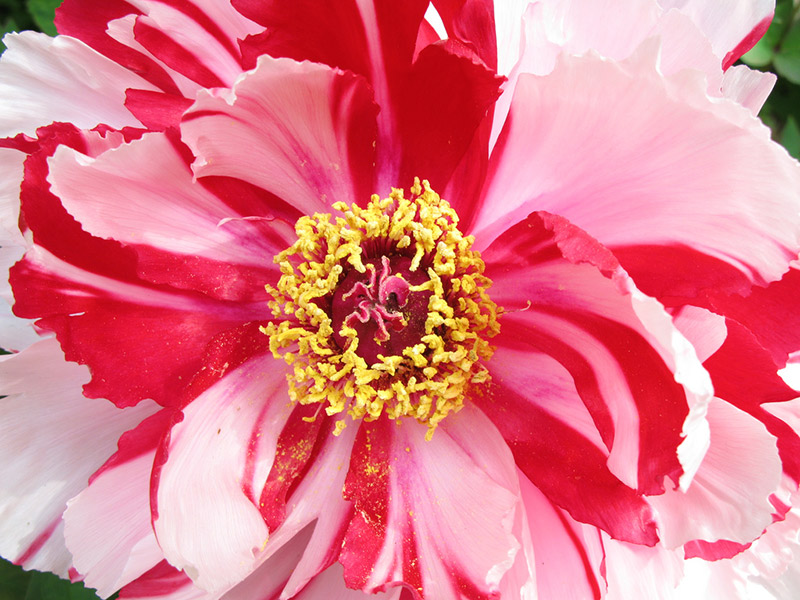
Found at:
<point>630,159</point>
<point>267,581</point>
<point>566,466</point>
<point>520,581</point>
<point>93,23</point>
<point>108,528</point>
<point>569,555</point>
<point>318,496</point>
<point>572,25</point>
<point>17,333</point>
<point>508,23</point>
<point>767,570</point>
<point>748,87</point>
<point>745,375</point>
<point>565,295</point>
<point>301,131</point>
<point>44,79</point>
<point>51,440</point>
<point>125,33</point>
<point>154,202</point>
<point>11,174</point>
<point>219,18</point>
<point>329,585</point>
<point>203,518</point>
<point>551,28</point>
<point>634,571</point>
<point>175,56</point>
<point>309,539</point>
<point>732,26</point>
<point>88,291</point>
<point>375,40</point>
<point>207,31</point>
<point>706,331</point>
<point>729,497</point>
<point>403,532</point>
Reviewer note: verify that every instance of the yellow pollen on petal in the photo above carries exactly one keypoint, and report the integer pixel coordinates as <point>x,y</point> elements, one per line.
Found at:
<point>430,377</point>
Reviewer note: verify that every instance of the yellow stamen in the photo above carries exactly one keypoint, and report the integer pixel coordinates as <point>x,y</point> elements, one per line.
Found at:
<point>429,378</point>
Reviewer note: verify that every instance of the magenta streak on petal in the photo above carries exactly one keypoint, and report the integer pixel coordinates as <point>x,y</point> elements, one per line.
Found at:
<point>748,42</point>
<point>175,56</point>
<point>587,564</point>
<point>252,453</point>
<point>713,550</point>
<point>195,13</point>
<point>37,543</point>
<point>140,440</point>
<point>297,449</point>
<point>161,580</point>
<point>162,454</point>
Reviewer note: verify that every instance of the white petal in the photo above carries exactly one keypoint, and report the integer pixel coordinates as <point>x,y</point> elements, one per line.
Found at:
<point>51,440</point>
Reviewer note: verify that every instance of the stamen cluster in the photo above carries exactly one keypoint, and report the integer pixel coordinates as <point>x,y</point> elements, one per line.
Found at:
<point>394,249</point>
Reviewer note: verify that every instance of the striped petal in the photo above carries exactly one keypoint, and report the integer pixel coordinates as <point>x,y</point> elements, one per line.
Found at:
<point>52,440</point>
<point>442,536</point>
<point>626,382</point>
<point>301,131</point>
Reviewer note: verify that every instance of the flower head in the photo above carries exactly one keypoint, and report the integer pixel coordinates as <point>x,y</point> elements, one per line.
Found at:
<point>423,300</point>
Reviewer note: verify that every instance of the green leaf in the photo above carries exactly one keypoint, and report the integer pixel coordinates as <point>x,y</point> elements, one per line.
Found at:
<point>788,66</point>
<point>43,13</point>
<point>16,584</point>
<point>787,59</point>
<point>6,27</point>
<point>790,137</point>
<point>13,581</point>
<point>46,586</point>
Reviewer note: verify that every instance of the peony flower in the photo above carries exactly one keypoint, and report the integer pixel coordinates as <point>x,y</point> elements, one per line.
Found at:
<point>468,300</point>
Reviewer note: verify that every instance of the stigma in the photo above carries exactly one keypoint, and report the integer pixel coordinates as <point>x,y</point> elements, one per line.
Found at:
<point>383,310</point>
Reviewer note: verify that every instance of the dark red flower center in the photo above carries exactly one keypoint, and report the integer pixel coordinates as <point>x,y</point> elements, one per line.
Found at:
<point>379,304</point>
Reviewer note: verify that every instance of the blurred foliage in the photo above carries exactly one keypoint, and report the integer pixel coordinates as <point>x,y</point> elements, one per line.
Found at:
<point>778,51</point>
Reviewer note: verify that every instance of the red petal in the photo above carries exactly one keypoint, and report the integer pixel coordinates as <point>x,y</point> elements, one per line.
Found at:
<point>769,313</point>
<point>447,95</point>
<point>472,22</point>
<point>745,375</point>
<point>568,468</point>
<point>156,110</point>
